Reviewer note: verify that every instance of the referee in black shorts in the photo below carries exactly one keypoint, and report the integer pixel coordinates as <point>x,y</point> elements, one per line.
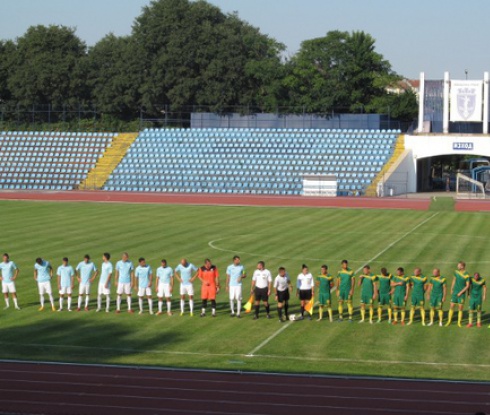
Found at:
<point>282,286</point>
<point>261,288</point>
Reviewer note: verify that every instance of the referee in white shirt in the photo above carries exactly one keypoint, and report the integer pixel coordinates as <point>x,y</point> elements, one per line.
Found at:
<point>305,289</point>
<point>261,288</point>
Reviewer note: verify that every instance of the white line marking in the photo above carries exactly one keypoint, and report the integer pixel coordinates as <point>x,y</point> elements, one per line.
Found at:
<point>272,336</point>
<point>400,238</point>
<point>275,334</point>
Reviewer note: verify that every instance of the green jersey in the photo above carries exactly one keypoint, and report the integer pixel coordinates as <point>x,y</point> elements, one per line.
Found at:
<point>462,279</point>
<point>401,290</point>
<point>384,284</point>
<point>367,284</point>
<point>325,282</point>
<point>476,288</point>
<point>345,277</point>
<point>418,284</point>
<point>437,284</point>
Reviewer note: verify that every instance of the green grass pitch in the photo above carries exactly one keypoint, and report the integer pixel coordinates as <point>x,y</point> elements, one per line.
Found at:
<point>279,236</point>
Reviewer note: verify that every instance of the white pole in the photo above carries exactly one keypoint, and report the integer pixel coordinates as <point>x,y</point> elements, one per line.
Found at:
<point>420,127</point>
<point>445,108</point>
<point>485,103</point>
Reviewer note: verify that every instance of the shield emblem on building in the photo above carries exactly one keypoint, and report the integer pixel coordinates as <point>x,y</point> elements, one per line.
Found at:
<point>466,98</point>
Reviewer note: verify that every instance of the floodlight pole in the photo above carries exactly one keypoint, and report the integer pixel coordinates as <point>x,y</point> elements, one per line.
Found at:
<point>420,127</point>
<point>485,102</point>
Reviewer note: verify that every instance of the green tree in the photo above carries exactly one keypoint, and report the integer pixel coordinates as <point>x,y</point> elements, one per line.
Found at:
<point>114,76</point>
<point>48,67</point>
<point>340,71</point>
<point>6,54</point>
<point>195,54</point>
<point>403,107</point>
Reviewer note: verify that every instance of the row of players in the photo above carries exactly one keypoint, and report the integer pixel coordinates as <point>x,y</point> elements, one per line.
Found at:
<point>391,291</point>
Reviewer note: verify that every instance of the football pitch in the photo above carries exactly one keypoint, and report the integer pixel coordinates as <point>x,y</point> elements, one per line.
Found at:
<point>281,237</point>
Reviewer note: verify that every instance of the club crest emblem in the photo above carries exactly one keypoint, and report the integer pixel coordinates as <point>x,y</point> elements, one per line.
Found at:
<point>466,98</point>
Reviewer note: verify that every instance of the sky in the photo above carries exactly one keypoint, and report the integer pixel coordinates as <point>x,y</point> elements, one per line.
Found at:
<point>432,36</point>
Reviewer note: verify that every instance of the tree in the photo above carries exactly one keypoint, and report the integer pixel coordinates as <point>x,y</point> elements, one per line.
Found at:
<point>6,53</point>
<point>340,71</point>
<point>402,107</point>
<point>47,67</point>
<point>195,54</point>
<point>114,76</point>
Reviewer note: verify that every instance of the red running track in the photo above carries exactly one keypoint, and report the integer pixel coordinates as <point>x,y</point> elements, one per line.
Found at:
<point>55,389</point>
<point>222,200</point>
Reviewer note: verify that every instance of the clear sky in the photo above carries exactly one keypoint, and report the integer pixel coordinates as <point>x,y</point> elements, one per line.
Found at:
<point>414,35</point>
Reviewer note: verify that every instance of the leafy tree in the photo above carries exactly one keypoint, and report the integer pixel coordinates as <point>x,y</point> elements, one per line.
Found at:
<point>47,67</point>
<point>195,54</point>
<point>339,71</point>
<point>403,107</point>
<point>6,54</point>
<point>114,76</point>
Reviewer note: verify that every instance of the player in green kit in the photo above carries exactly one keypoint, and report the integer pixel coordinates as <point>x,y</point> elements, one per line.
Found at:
<point>325,282</point>
<point>459,287</point>
<point>401,288</point>
<point>437,295</point>
<point>345,289</point>
<point>478,294</point>
<point>384,284</point>
<point>417,282</point>
<point>369,292</point>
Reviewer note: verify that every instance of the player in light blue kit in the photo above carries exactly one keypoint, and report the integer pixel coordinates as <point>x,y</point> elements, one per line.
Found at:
<point>183,273</point>
<point>86,274</point>
<point>124,281</point>
<point>104,287</point>
<point>10,273</point>
<point>65,275</point>
<point>165,285</point>
<point>235,273</point>
<point>43,272</point>
<point>144,274</point>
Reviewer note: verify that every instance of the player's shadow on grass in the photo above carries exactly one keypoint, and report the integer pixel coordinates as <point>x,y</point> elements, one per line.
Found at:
<point>87,340</point>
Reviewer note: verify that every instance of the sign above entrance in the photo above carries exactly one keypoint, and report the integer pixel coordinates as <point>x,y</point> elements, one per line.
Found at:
<point>465,146</point>
<point>466,101</point>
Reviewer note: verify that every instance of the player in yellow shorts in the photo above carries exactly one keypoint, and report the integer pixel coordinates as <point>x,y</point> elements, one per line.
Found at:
<point>459,287</point>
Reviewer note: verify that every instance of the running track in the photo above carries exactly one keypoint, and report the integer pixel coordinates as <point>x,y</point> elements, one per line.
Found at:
<point>27,388</point>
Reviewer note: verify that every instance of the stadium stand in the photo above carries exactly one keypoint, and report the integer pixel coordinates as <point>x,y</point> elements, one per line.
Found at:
<point>48,160</point>
<point>251,161</point>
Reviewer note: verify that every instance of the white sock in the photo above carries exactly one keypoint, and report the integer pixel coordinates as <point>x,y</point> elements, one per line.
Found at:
<point>107,302</point>
<point>7,302</point>
<point>118,303</point>
<point>61,303</point>
<point>69,303</point>
<point>140,301</point>
<point>214,311</point>
<point>160,305</point>
<point>169,306</point>
<point>129,303</point>
<point>51,300</point>
<point>238,307</point>
<point>87,298</point>
<point>232,306</point>
<point>99,302</point>
<point>182,305</point>
<point>150,304</point>
<point>191,306</point>
<point>41,298</point>
<point>79,301</point>
<point>203,310</point>
<point>16,304</point>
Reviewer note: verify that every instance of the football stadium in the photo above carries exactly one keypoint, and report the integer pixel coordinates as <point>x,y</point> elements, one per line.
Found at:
<point>196,259</point>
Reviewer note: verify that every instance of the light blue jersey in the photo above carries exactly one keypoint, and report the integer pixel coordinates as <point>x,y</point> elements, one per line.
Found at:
<point>8,270</point>
<point>124,268</point>
<point>65,273</point>
<point>43,271</point>
<point>143,275</point>
<point>235,272</point>
<point>105,270</point>
<point>85,271</point>
<point>165,274</point>
<point>186,273</point>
